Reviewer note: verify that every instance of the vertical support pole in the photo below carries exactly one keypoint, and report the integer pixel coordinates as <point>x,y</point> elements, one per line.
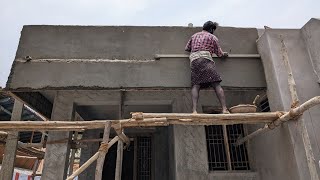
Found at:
<point>119,161</point>
<point>31,139</point>
<point>227,147</point>
<point>73,153</point>
<point>56,158</point>
<point>120,142</point>
<point>102,154</point>
<point>11,144</point>
<point>35,168</point>
<point>43,136</point>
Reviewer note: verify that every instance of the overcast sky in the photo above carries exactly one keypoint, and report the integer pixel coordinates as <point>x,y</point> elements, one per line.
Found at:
<point>238,13</point>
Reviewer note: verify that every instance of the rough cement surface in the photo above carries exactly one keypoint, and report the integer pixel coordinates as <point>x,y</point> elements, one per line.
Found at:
<point>311,36</point>
<point>294,158</point>
<point>122,42</point>
<point>234,176</point>
<point>173,72</point>
<point>125,43</point>
<point>57,155</point>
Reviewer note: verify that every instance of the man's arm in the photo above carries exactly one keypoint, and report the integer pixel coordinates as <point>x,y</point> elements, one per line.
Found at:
<point>188,46</point>
<point>217,49</point>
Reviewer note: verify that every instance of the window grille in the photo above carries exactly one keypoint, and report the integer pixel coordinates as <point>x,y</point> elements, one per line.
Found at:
<point>144,158</point>
<point>223,154</point>
<point>264,105</point>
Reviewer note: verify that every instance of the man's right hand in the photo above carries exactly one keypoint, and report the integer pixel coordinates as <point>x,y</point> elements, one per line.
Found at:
<point>225,54</point>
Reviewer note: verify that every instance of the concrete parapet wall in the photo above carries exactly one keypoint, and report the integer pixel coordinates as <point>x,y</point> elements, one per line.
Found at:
<point>135,46</point>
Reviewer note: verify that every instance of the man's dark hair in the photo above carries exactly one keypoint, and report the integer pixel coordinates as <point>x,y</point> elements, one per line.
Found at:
<point>210,26</point>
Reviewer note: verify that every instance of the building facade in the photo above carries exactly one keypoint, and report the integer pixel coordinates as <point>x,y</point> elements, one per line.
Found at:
<point>106,72</point>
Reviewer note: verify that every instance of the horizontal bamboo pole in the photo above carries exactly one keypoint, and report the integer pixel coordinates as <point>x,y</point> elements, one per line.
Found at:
<point>238,117</point>
<point>293,113</point>
<point>159,56</point>
<point>76,125</point>
<point>149,120</point>
<point>26,157</point>
<point>2,133</point>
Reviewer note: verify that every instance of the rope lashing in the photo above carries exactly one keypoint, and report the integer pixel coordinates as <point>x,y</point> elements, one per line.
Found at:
<point>103,147</point>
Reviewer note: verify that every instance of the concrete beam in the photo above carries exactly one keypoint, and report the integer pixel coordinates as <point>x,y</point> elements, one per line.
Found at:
<point>164,73</point>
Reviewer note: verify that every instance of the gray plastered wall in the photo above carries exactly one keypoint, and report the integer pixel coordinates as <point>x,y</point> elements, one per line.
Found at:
<point>286,147</point>
<point>135,47</point>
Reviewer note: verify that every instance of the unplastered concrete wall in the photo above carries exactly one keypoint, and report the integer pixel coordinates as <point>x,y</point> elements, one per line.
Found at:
<point>129,52</point>
<point>311,36</point>
<point>281,153</point>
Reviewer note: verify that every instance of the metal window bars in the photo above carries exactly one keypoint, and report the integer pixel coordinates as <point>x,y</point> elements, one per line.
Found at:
<point>226,156</point>
<point>144,158</point>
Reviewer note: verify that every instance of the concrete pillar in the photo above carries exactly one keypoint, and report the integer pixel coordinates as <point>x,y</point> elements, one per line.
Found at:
<point>87,152</point>
<point>189,146</point>
<point>11,144</point>
<point>161,153</point>
<point>57,155</point>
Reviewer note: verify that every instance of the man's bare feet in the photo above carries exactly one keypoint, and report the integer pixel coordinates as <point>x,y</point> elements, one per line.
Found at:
<point>225,111</point>
<point>194,112</point>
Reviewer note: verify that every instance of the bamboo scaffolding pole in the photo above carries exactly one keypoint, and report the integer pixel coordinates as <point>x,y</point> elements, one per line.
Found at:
<point>73,154</point>
<point>91,160</point>
<point>227,147</point>
<point>76,125</point>
<point>35,168</point>
<point>252,135</point>
<point>255,117</point>
<point>2,133</point>
<point>149,120</point>
<point>158,119</point>
<point>292,114</point>
<point>119,161</point>
<point>80,141</point>
<point>102,153</point>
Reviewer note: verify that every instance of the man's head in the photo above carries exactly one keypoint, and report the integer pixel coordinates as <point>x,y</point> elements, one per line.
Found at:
<point>210,26</point>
